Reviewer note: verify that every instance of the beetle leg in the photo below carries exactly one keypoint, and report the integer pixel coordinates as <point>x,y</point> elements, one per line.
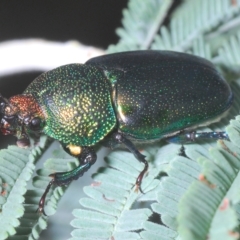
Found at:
<point>86,156</point>
<point>140,157</point>
<point>43,198</point>
<point>194,136</point>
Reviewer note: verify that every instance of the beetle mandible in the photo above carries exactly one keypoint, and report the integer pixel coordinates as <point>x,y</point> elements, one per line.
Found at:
<point>120,98</point>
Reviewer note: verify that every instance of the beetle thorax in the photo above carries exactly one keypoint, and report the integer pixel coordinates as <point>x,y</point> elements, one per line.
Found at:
<point>77,104</point>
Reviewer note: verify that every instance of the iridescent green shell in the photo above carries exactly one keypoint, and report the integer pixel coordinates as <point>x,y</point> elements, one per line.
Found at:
<point>145,95</point>
<point>76,101</point>
<point>160,93</point>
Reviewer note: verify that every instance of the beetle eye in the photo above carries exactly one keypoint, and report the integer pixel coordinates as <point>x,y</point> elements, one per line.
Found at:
<point>35,123</point>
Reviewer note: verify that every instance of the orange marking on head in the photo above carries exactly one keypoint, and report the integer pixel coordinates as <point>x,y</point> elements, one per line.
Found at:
<point>24,105</point>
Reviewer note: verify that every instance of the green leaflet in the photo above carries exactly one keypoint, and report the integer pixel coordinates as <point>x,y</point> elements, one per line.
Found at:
<point>207,209</point>
<point>13,186</point>
<point>19,218</point>
<point>193,19</point>
<point>31,224</point>
<point>228,53</point>
<point>140,24</point>
<point>16,169</point>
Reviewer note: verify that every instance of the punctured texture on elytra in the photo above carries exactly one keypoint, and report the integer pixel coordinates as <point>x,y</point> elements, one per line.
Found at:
<point>163,92</point>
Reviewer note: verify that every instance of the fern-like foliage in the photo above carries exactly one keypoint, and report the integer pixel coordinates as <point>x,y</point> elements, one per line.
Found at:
<point>19,203</point>
<point>228,53</point>
<point>13,187</point>
<point>196,18</point>
<point>208,202</point>
<point>141,21</point>
<point>113,198</point>
<point>212,202</point>
<point>17,167</point>
<point>185,197</point>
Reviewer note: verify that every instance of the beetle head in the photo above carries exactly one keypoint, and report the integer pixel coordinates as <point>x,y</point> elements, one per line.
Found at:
<point>20,116</point>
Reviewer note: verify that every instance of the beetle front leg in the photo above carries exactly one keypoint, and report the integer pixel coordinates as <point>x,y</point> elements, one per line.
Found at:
<point>140,157</point>
<point>86,156</point>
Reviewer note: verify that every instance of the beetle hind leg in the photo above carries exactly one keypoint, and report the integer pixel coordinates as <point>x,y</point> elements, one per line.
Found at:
<point>187,137</point>
<point>140,157</point>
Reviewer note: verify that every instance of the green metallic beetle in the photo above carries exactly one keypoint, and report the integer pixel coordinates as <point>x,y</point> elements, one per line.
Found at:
<point>120,98</point>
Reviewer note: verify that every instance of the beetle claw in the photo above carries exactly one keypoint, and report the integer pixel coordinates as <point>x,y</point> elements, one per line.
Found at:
<point>40,210</point>
<point>138,187</point>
